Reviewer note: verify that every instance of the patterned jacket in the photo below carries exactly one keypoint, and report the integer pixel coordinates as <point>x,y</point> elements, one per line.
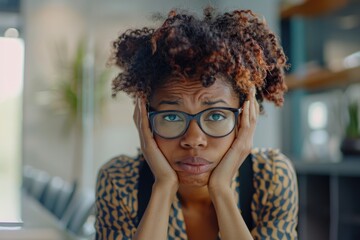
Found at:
<point>274,206</point>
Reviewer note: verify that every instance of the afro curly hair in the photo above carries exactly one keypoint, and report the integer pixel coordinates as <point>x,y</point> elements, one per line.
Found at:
<point>237,45</point>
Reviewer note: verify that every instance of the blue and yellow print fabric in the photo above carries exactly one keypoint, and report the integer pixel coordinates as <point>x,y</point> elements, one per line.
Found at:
<point>274,207</point>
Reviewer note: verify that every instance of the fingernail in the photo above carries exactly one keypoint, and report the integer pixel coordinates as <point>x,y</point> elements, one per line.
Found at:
<point>139,101</point>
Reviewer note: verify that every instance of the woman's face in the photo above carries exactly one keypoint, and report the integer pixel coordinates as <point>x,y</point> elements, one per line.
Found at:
<point>195,154</point>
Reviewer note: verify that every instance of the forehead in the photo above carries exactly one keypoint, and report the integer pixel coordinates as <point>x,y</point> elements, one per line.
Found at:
<point>182,88</point>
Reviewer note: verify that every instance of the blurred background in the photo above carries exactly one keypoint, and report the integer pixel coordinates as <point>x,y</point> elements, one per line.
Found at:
<point>59,124</point>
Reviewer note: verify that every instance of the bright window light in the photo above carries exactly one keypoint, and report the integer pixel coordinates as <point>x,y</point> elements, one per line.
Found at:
<point>319,137</point>
<point>317,115</point>
<point>11,84</point>
<point>352,60</point>
<point>11,67</point>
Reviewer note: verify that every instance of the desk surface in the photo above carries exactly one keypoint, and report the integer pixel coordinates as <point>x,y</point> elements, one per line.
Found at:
<point>10,201</point>
<point>37,223</point>
<point>349,168</point>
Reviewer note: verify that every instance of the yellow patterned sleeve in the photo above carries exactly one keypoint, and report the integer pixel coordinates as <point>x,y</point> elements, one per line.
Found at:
<point>115,211</point>
<point>276,214</point>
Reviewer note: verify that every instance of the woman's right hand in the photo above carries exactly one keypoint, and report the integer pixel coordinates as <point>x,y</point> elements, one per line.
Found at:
<point>164,174</point>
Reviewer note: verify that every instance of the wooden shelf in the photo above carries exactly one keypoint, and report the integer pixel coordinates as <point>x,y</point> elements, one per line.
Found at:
<point>323,79</point>
<point>350,219</point>
<point>311,8</point>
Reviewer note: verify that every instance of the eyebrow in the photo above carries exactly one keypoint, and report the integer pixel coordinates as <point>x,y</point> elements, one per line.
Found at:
<point>169,102</point>
<point>206,102</point>
<point>210,103</point>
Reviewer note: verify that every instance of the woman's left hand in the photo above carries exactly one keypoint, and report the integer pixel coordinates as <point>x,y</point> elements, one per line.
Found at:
<point>222,175</point>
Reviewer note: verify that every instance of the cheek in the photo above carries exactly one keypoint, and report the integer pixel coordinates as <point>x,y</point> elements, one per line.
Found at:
<point>166,146</point>
<point>222,145</point>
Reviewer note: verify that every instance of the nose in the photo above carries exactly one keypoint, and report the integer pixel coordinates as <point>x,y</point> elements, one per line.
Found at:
<point>194,137</point>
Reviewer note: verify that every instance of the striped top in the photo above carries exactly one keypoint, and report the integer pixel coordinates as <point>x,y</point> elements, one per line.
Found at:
<point>274,205</point>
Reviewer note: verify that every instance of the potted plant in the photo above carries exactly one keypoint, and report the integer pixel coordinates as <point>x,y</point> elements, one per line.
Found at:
<point>68,96</point>
<point>350,146</point>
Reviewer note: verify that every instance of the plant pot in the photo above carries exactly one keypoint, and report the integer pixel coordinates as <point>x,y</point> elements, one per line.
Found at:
<point>350,147</point>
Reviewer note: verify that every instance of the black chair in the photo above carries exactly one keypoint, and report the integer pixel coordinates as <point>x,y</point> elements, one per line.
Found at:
<point>65,196</point>
<point>28,178</point>
<point>52,192</point>
<point>40,182</point>
<point>79,212</point>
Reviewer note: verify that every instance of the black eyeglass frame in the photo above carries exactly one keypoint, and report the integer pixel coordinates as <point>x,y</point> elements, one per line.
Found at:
<point>189,117</point>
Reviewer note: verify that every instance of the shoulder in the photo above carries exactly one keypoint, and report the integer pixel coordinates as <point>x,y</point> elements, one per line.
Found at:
<point>272,169</point>
<point>122,163</point>
<point>116,197</point>
<point>121,171</point>
<point>275,202</point>
<point>270,159</point>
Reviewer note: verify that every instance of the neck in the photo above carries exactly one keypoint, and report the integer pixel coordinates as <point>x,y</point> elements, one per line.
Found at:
<point>190,196</point>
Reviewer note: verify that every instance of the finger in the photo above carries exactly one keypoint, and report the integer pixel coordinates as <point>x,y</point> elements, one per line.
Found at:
<point>137,121</point>
<point>244,139</point>
<point>245,116</point>
<point>144,122</point>
<point>253,110</point>
<point>257,109</point>
<point>244,133</point>
<point>136,114</point>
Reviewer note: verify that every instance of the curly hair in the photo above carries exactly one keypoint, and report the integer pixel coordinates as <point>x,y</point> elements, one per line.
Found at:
<point>237,45</point>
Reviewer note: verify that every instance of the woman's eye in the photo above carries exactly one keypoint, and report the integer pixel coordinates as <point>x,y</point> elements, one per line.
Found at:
<point>215,117</point>
<point>172,118</point>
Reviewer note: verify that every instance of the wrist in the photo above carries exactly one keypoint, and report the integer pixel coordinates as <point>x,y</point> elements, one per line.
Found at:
<point>166,186</point>
<point>219,187</point>
<point>220,192</point>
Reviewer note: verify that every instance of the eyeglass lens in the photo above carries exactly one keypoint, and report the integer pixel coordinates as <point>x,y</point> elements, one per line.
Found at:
<point>214,122</point>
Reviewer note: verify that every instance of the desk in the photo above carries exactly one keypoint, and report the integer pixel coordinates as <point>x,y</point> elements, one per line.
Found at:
<point>345,168</point>
<point>37,224</point>
<point>329,200</point>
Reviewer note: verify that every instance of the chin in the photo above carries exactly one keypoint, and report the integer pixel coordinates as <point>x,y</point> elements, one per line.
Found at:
<point>194,180</point>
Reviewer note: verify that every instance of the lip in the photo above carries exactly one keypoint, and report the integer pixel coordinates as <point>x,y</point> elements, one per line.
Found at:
<point>194,165</point>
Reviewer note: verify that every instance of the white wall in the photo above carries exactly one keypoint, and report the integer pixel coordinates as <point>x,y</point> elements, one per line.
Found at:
<point>46,25</point>
<point>47,22</point>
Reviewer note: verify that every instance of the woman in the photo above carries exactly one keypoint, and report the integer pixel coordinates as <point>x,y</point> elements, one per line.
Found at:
<point>199,86</point>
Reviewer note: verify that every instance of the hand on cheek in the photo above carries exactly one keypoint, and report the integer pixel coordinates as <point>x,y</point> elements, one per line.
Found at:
<point>241,147</point>
<point>158,164</point>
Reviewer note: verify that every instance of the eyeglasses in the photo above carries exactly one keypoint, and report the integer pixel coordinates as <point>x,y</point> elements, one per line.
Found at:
<point>216,122</point>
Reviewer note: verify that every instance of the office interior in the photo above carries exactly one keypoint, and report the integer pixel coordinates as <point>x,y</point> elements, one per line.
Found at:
<point>59,123</point>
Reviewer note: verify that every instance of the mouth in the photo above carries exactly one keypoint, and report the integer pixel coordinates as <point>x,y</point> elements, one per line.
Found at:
<point>194,165</point>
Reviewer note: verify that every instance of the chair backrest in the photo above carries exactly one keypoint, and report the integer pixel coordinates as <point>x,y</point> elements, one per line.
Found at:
<point>80,208</point>
<point>41,180</point>
<point>28,178</point>
<point>66,194</point>
<point>52,193</point>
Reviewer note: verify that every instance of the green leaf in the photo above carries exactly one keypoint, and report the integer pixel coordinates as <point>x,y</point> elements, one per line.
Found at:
<point>352,129</point>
